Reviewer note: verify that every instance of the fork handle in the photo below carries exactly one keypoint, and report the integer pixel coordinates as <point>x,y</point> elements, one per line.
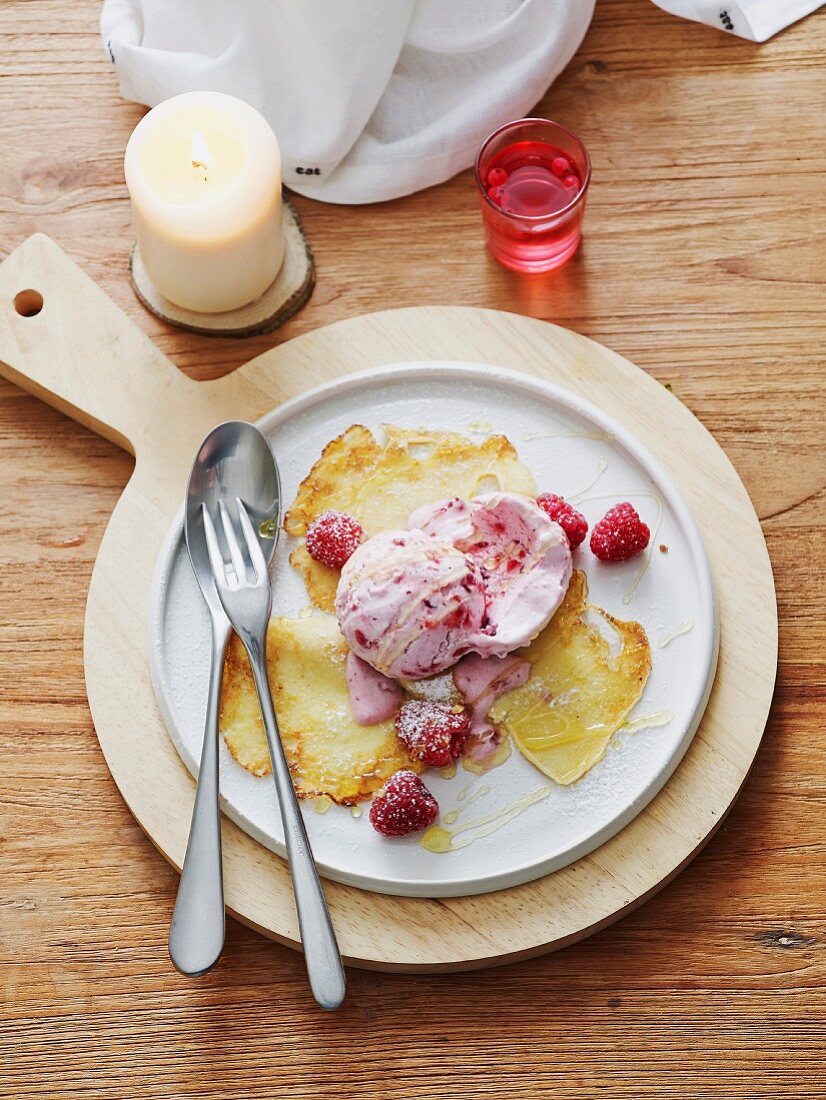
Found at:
<point>323,959</point>
<point>196,938</point>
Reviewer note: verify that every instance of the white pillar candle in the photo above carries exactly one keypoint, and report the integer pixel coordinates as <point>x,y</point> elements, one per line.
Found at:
<point>204,173</point>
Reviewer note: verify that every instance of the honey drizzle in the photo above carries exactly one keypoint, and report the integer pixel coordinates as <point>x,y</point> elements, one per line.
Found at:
<point>602,466</point>
<point>648,721</point>
<point>680,628</point>
<point>440,840</point>
<point>556,740</point>
<point>322,804</point>
<point>451,815</point>
<point>463,793</point>
<point>566,435</point>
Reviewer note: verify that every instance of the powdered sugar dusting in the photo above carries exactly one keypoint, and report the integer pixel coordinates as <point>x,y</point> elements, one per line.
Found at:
<point>403,806</point>
<point>433,732</point>
<point>333,537</point>
<point>435,689</point>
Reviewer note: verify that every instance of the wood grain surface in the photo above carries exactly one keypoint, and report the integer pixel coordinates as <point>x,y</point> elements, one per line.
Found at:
<point>703,263</point>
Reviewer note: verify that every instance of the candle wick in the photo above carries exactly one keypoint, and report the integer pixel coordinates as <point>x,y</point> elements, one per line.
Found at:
<point>199,153</point>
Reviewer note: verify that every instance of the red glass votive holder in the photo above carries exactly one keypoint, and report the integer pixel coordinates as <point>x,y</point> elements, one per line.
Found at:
<point>533,178</point>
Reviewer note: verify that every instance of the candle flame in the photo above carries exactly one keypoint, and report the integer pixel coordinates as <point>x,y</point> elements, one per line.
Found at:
<point>199,151</point>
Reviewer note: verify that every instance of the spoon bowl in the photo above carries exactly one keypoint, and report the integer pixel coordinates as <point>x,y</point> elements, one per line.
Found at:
<point>235,460</point>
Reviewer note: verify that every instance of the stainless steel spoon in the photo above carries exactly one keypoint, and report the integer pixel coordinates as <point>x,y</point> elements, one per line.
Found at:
<point>240,570</point>
<point>225,466</point>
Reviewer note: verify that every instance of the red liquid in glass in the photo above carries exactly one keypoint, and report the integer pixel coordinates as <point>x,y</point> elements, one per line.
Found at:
<point>536,180</point>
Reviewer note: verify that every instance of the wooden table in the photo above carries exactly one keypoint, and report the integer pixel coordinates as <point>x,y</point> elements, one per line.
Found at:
<point>704,264</point>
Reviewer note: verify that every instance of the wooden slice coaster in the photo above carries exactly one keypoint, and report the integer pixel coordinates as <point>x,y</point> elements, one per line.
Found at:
<point>291,289</point>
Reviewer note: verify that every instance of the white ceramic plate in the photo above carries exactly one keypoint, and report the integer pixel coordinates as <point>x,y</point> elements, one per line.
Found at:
<point>571,448</point>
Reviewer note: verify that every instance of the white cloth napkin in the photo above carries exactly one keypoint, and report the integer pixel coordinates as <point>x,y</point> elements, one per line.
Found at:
<point>754,19</point>
<point>369,99</point>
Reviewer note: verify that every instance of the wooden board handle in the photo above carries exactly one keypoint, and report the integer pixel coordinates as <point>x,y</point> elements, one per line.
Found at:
<point>64,339</point>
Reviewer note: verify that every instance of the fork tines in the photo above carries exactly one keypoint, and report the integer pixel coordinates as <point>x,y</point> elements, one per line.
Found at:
<point>234,573</point>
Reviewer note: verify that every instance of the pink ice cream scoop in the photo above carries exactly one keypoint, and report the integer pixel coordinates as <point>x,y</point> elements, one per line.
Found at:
<point>407,603</point>
<point>523,556</point>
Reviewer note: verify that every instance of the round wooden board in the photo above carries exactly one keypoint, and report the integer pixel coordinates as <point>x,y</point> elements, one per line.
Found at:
<point>150,408</point>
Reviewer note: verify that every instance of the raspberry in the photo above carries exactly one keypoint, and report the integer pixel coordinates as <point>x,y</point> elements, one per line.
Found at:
<point>432,732</point>
<point>560,165</point>
<point>571,180</point>
<point>496,194</point>
<point>620,534</point>
<point>496,177</point>
<point>403,805</point>
<point>573,523</point>
<point>332,537</point>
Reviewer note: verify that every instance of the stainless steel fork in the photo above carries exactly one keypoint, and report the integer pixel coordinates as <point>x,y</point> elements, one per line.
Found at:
<point>243,586</point>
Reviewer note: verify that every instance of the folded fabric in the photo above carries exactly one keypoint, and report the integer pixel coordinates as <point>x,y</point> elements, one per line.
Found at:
<point>369,99</point>
<point>754,19</point>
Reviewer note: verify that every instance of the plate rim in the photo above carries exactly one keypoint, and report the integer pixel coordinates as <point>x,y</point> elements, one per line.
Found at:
<point>582,407</point>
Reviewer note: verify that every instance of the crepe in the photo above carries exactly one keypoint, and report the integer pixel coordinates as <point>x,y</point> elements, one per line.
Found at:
<point>328,752</point>
<point>584,682</point>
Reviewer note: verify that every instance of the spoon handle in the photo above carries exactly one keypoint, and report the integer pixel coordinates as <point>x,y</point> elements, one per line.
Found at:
<point>321,954</point>
<point>196,937</point>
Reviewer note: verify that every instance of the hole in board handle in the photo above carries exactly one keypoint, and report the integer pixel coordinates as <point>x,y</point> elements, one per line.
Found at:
<point>28,303</point>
